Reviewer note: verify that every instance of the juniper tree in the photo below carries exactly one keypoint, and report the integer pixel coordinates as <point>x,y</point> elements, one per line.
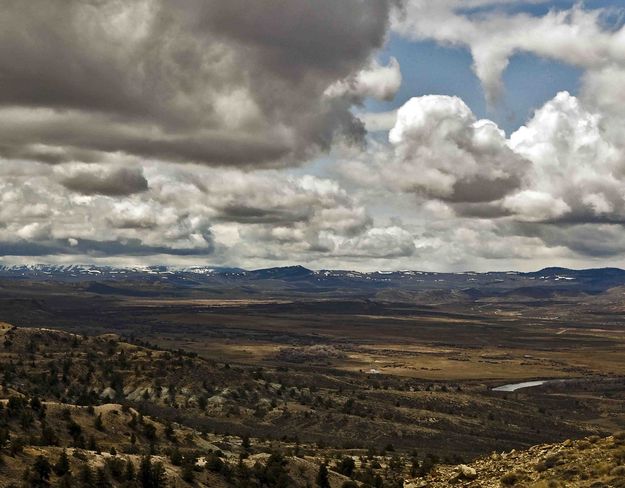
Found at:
<point>62,466</point>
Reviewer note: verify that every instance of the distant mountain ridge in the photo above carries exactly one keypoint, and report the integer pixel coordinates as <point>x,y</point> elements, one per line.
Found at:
<point>402,285</point>
<point>282,271</point>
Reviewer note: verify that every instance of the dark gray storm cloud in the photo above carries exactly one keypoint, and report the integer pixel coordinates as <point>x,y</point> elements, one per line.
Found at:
<point>88,247</point>
<point>255,215</point>
<point>586,239</point>
<point>235,83</point>
<point>114,182</point>
<point>481,190</point>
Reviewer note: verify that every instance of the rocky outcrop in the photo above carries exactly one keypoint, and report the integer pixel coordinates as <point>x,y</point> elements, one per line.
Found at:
<point>592,461</point>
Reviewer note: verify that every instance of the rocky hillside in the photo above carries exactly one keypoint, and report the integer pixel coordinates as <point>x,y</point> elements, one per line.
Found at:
<point>591,462</point>
<point>371,411</point>
<point>99,411</point>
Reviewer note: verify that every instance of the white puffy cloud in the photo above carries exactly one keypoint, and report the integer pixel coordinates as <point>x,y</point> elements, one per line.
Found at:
<point>563,165</point>
<point>226,214</point>
<point>576,169</point>
<point>376,81</point>
<point>379,121</point>
<point>440,150</point>
<point>575,179</point>
<point>576,36</point>
<point>378,242</point>
<point>535,205</point>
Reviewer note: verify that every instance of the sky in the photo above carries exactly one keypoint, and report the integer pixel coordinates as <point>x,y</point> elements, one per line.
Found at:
<point>356,134</point>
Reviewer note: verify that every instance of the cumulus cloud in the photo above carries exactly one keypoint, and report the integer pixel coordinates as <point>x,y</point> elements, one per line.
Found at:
<point>232,83</point>
<point>537,194</point>
<point>109,98</point>
<point>576,36</point>
<point>535,205</point>
<point>379,121</point>
<point>577,172</point>
<point>586,239</point>
<point>440,150</point>
<point>380,242</point>
<point>563,165</point>
<point>80,209</point>
<point>573,144</point>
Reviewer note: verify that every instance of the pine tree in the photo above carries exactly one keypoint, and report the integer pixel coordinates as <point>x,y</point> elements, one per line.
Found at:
<point>99,425</point>
<point>159,479</point>
<point>85,476</point>
<point>101,479</point>
<point>145,472</point>
<point>175,457</point>
<point>48,436</point>
<point>62,466</point>
<point>93,445</point>
<point>245,442</point>
<point>322,477</point>
<point>65,482</point>
<point>129,474</point>
<point>188,474</point>
<point>40,474</point>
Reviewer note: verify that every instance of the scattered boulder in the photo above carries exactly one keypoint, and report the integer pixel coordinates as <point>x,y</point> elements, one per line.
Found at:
<point>467,472</point>
<point>108,393</point>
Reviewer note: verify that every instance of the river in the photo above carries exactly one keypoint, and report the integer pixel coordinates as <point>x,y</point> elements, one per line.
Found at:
<point>518,386</point>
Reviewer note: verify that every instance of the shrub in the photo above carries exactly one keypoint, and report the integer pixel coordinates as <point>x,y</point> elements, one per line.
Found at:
<point>511,478</point>
<point>618,471</point>
<point>347,466</point>
<point>349,484</point>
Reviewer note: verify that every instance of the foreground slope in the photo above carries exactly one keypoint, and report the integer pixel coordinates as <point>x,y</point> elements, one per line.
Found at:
<point>98,411</point>
<point>590,462</point>
<point>371,411</point>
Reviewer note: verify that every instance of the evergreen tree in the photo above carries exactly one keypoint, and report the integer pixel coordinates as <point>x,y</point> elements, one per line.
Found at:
<point>98,424</point>
<point>36,404</point>
<point>65,481</point>
<point>74,430</point>
<point>115,467</point>
<point>169,431</point>
<point>175,457</point>
<point>48,436</point>
<point>159,479</point>
<point>145,472</point>
<point>86,476</point>
<point>322,477</point>
<point>188,474</point>
<point>245,442</point>
<point>41,472</point>
<point>101,479</point>
<point>93,445</point>
<point>275,473</point>
<point>62,466</point>
<point>129,473</point>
